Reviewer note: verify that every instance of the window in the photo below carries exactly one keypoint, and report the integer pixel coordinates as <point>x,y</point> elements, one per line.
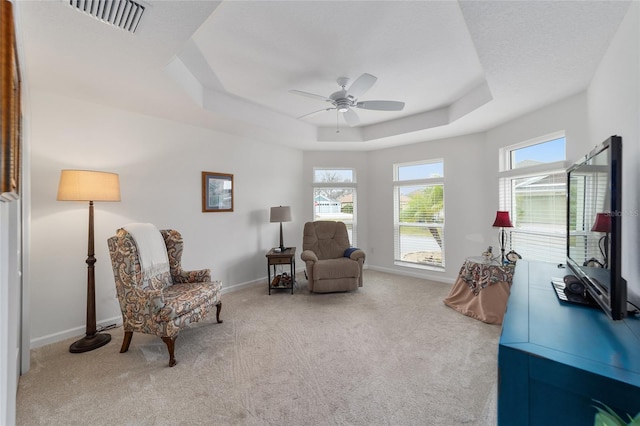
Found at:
<point>334,198</point>
<point>533,188</point>
<point>589,188</point>
<point>537,153</point>
<point>419,214</point>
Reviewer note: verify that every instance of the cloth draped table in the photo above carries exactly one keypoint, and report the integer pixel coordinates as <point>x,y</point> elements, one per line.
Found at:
<point>482,290</point>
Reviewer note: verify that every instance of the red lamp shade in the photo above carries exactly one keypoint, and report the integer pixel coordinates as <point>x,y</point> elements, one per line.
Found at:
<point>602,224</point>
<point>502,220</point>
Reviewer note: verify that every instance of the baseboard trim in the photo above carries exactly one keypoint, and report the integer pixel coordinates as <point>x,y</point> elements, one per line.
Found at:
<point>412,274</point>
<point>240,286</point>
<point>72,332</point>
<point>79,331</point>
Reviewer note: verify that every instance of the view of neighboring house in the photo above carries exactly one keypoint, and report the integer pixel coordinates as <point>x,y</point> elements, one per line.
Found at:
<point>325,205</point>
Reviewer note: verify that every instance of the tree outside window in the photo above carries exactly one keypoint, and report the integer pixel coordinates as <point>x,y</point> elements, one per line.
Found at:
<point>419,214</point>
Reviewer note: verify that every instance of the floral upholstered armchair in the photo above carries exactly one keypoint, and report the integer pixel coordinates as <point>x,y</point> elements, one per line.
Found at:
<point>332,264</point>
<point>158,299</point>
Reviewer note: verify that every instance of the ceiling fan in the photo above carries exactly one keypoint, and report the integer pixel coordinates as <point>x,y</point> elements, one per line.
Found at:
<point>346,100</point>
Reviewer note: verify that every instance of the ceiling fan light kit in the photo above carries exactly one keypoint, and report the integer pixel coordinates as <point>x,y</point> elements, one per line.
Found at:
<point>346,100</point>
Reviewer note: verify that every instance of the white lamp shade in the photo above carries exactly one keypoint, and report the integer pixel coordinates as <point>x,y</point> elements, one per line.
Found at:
<point>280,214</point>
<point>88,185</point>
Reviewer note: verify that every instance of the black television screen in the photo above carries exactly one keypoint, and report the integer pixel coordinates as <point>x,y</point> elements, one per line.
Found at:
<point>594,217</point>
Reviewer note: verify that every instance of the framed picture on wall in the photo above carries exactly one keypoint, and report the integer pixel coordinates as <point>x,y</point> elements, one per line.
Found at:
<point>217,192</point>
<point>10,117</point>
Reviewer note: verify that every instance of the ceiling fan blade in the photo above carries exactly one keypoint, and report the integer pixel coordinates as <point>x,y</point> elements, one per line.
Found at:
<point>361,85</point>
<point>315,112</point>
<point>351,117</point>
<point>381,105</point>
<point>310,95</point>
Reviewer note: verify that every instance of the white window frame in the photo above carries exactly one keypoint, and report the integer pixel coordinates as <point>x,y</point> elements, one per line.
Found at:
<point>397,185</point>
<point>353,185</point>
<point>507,175</point>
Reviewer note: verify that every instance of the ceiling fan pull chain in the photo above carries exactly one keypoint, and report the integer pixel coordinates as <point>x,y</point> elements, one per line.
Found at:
<point>337,122</point>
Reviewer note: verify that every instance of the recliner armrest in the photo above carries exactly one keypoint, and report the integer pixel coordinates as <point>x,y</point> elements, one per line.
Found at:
<point>309,256</point>
<point>357,255</point>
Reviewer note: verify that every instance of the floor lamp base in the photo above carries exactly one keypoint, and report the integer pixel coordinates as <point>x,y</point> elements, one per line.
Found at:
<point>89,343</point>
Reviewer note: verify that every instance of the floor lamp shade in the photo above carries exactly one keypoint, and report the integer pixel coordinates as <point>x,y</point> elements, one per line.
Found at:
<point>280,214</point>
<point>88,185</point>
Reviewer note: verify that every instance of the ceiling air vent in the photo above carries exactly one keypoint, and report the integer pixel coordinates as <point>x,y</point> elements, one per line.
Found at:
<point>124,14</point>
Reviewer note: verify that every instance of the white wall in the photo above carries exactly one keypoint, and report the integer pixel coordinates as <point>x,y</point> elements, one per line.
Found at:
<point>160,164</point>
<point>614,109</point>
<point>464,192</point>
<point>466,213</point>
<point>568,115</point>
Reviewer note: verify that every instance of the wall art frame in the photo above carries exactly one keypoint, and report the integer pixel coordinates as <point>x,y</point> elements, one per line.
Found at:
<point>10,111</point>
<point>217,192</point>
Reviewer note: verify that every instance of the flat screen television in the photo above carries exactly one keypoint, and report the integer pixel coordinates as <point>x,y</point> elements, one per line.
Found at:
<point>594,218</point>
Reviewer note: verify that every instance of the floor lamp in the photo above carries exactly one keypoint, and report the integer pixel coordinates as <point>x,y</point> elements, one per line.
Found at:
<point>87,185</point>
<point>280,214</point>
<point>502,221</point>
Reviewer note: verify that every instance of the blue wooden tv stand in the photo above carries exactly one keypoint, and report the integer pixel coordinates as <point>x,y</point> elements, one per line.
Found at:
<point>555,359</point>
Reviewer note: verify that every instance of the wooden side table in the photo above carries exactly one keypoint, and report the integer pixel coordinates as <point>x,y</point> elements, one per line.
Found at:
<point>286,257</point>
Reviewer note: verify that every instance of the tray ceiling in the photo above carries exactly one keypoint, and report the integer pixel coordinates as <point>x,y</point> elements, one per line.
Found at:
<point>460,67</point>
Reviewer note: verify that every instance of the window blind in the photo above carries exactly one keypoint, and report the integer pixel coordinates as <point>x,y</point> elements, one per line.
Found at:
<point>419,231</point>
<point>538,211</point>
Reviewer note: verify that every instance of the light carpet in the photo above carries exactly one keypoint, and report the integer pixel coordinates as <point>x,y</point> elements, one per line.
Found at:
<point>390,353</point>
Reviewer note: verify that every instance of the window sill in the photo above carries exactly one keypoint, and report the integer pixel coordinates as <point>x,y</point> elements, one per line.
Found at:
<point>423,266</point>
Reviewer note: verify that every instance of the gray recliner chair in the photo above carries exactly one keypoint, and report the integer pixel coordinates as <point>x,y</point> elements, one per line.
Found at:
<point>331,263</point>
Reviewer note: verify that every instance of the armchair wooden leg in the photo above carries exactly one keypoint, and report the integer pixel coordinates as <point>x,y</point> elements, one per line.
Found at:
<point>126,341</point>
<point>218,308</point>
<point>170,342</point>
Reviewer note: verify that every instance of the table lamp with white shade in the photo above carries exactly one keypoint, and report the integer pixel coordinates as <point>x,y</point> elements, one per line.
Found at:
<point>280,214</point>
